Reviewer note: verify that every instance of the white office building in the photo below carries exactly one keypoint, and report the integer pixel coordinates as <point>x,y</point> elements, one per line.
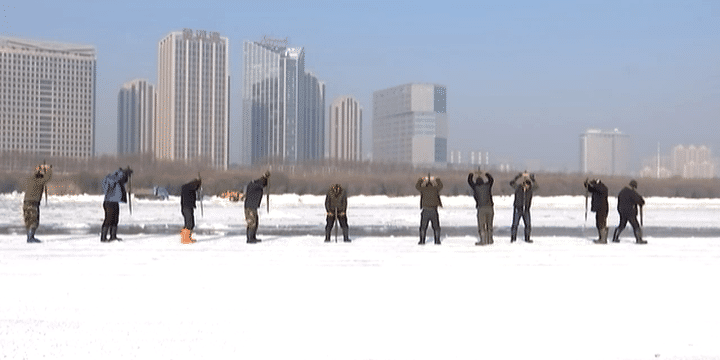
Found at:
<point>136,118</point>
<point>604,152</point>
<point>410,125</point>
<point>283,105</point>
<point>345,130</point>
<point>193,93</point>
<point>47,98</point>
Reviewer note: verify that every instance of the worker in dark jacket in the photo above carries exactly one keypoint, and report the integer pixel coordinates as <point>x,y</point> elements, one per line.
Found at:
<point>114,188</point>
<point>253,197</point>
<point>429,188</point>
<point>599,205</point>
<point>482,192</point>
<point>628,202</point>
<point>188,196</point>
<point>336,208</point>
<point>523,183</point>
<point>34,188</point>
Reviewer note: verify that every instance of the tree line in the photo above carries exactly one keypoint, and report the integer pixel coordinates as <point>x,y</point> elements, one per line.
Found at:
<point>84,176</point>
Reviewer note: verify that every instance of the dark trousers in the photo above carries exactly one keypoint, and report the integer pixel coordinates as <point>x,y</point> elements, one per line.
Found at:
<point>525,215</point>
<point>624,219</point>
<point>601,220</point>
<point>342,219</point>
<point>429,215</point>
<point>112,213</point>
<point>188,214</point>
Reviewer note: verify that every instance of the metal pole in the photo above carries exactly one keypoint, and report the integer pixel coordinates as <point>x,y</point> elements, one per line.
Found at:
<point>202,211</point>
<point>130,192</point>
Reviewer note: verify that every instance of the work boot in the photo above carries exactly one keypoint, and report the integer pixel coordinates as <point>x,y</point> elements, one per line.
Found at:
<point>186,236</point>
<point>104,234</point>
<point>437,236</point>
<point>603,236</point>
<point>527,239</point>
<point>346,236</point>
<point>422,238</point>
<point>616,235</point>
<point>251,239</point>
<point>327,235</point>
<point>638,236</point>
<point>113,234</point>
<point>31,237</point>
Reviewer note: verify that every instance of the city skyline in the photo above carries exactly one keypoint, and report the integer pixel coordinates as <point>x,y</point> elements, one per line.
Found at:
<point>526,77</point>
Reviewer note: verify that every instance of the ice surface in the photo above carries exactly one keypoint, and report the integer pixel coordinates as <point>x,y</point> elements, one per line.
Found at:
<point>380,297</point>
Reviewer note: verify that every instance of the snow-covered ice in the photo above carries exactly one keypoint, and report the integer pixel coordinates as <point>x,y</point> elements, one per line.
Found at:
<point>380,297</point>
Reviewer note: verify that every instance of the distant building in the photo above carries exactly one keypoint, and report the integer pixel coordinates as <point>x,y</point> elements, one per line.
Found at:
<point>136,118</point>
<point>345,130</point>
<point>604,152</point>
<point>193,98</point>
<point>410,125</point>
<point>693,162</point>
<point>283,105</point>
<point>47,98</point>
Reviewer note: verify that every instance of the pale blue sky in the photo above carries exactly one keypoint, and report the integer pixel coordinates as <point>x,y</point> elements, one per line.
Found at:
<point>524,78</point>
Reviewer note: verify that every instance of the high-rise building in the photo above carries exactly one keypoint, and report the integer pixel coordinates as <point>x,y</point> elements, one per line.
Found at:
<point>604,152</point>
<point>693,162</point>
<point>193,93</point>
<point>47,98</point>
<point>410,125</point>
<point>136,118</point>
<point>283,105</point>
<point>345,130</point>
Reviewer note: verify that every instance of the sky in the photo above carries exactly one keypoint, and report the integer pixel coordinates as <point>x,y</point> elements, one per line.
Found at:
<point>524,78</point>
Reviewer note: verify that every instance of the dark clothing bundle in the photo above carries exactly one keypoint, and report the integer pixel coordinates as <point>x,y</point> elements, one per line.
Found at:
<point>35,185</point>
<point>523,200</point>
<point>482,190</point>
<point>599,205</point>
<point>254,193</point>
<point>523,194</point>
<point>114,188</point>
<point>599,191</point>
<point>429,202</point>
<point>188,196</point>
<point>188,193</point>
<point>34,188</point>
<point>336,199</point>
<point>336,208</point>
<point>429,193</point>
<point>253,197</point>
<point>628,202</point>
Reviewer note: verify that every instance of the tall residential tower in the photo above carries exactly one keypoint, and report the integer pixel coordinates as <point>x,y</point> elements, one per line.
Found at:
<point>193,93</point>
<point>345,130</point>
<point>410,125</point>
<point>136,118</point>
<point>47,97</point>
<point>283,105</point>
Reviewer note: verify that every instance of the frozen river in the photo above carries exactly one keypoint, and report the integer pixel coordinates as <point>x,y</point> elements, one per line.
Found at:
<point>380,297</point>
